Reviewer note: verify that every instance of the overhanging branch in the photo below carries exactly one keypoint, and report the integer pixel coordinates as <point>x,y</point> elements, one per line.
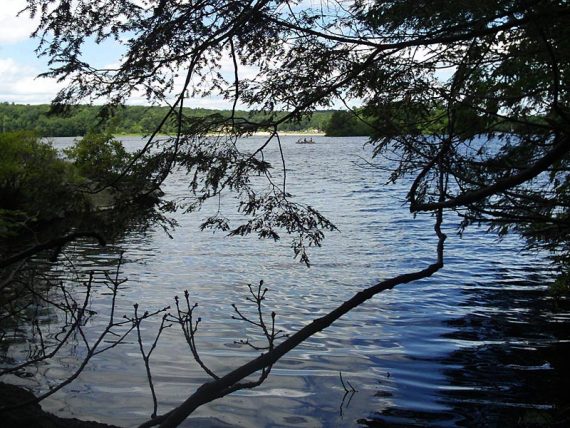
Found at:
<point>57,243</point>
<point>218,388</point>
<point>467,198</point>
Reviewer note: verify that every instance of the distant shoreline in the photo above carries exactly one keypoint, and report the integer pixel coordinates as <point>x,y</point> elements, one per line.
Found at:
<point>291,134</point>
<point>255,134</point>
<point>136,120</point>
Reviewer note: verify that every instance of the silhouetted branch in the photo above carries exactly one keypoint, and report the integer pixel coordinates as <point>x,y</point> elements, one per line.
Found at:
<point>220,387</point>
<point>561,148</point>
<point>146,355</point>
<point>57,243</point>
<point>189,328</point>
<point>77,317</point>
<point>77,314</point>
<point>257,298</point>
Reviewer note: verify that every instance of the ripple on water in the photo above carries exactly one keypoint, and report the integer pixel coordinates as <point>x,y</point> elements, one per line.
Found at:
<point>479,335</point>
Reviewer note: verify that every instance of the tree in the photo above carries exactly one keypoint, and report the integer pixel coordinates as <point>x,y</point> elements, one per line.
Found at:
<point>344,123</point>
<point>35,184</point>
<point>466,71</point>
<point>98,156</point>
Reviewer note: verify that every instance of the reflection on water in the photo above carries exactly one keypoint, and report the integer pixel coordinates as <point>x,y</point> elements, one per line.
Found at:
<point>478,344</point>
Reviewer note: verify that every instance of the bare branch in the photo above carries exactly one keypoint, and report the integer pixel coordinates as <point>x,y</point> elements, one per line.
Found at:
<point>218,388</point>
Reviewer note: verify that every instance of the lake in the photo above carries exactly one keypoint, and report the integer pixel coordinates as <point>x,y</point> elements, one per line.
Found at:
<point>479,343</point>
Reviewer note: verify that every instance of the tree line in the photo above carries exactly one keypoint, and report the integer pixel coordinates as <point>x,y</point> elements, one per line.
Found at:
<point>144,120</point>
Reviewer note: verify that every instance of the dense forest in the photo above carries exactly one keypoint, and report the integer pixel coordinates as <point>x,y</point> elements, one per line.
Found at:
<point>144,120</point>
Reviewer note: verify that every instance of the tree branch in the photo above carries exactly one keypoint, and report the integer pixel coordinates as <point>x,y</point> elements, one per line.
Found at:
<point>216,389</point>
<point>57,243</point>
<point>559,151</point>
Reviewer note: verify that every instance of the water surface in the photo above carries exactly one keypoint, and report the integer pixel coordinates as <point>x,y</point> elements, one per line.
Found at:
<point>479,343</point>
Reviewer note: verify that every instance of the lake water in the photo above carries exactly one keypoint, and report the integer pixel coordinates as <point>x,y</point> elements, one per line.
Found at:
<point>479,343</point>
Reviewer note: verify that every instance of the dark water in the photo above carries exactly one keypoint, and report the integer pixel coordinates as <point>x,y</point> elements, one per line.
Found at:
<point>480,343</point>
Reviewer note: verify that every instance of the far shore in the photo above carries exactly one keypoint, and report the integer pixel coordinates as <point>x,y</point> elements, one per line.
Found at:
<point>255,134</point>
<point>292,134</point>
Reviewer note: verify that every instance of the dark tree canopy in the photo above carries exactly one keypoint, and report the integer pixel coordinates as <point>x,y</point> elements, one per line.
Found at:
<point>470,98</point>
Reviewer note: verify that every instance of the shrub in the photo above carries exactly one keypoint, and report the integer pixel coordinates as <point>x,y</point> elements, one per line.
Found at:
<point>34,181</point>
<point>98,157</point>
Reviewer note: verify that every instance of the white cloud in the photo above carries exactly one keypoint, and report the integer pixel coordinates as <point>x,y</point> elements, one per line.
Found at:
<point>19,84</point>
<point>15,28</point>
<point>19,69</point>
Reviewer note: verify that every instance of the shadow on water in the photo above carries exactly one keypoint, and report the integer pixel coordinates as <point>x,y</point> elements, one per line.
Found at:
<point>510,367</point>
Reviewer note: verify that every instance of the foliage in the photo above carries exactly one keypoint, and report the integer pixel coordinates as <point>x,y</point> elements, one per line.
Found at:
<point>34,182</point>
<point>85,119</point>
<point>37,185</point>
<point>36,118</point>
<point>561,287</point>
<point>99,157</point>
<point>344,123</point>
<point>11,222</point>
<point>466,71</point>
<point>439,86</point>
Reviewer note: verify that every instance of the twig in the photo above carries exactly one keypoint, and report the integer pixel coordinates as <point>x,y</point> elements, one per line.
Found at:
<point>146,356</point>
<point>218,388</point>
<point>189,328</point>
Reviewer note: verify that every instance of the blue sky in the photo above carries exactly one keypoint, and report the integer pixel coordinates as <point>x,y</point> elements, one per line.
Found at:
<point>18,62</point>
<point>20,66</point>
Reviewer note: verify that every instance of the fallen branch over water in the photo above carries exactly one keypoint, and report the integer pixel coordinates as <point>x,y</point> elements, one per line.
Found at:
<point>229,383</point>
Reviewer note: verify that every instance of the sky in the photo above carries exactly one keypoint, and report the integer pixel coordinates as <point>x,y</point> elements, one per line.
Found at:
<point>20,65</point>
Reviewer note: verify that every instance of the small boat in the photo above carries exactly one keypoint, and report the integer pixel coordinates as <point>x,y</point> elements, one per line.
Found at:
<point>305,141</point>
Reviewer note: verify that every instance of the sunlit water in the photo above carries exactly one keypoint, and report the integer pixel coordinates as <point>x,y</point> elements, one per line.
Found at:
<point>455,349</point>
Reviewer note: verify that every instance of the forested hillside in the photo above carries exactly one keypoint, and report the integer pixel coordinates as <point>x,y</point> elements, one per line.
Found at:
<point>128,120</point>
